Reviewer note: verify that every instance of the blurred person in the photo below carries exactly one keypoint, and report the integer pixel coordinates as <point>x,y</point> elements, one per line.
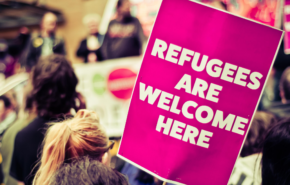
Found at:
<point>218,4</point>
<point>76,151</point>
<point>20,42</point>
<point>139,177</point>
<point>136,176</point>
<point>282,109</point>
<point>125,35</point>
<point>89,47</point>
<point>19,46</point>
<point>25,115</point>
<point>261,123</point>
<point>1,172</point>
<point>6,60</point>
<point>11,94</point>
<point>247,169</point>
<point>7,146</point>
<point>276,155</point>
<point>279,66</point>
<point>53,93</point>
<point>46,42</point>
<point>7,114</point>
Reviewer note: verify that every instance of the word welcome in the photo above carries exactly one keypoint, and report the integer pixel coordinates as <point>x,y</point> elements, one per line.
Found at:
<point>170,102</point>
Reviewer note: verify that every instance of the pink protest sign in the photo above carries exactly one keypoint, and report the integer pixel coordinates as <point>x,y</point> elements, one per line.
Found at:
<point>197,90</point>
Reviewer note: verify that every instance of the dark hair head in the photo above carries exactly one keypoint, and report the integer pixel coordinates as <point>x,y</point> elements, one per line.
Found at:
<point>87,171</point>
<point>276,155</point>
<point>54,85</point>
<point>285,83</point>
<point>7,102</point>
<point>260,124</point>
<point>120,2</point>
<point>224,5</point>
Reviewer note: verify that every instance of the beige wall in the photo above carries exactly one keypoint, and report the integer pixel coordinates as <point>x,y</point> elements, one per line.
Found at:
<point>73,31</point>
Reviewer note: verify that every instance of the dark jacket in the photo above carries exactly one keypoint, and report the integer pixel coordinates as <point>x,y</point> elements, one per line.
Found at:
<point>280,110</point>
<point>18,45</point>
<point>34,49</point>
<point>123,39</point>
<point>83,50</point>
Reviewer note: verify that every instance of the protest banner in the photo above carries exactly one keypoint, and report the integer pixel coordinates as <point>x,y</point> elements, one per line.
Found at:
<point>107,88</point>
<point>197,90</point>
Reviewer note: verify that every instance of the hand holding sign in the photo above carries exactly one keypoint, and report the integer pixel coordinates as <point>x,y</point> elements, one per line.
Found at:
<point>198,87</point>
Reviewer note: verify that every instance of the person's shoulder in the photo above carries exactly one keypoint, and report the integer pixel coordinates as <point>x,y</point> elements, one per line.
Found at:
<point>84,41</point>
<point>135,20</point>
<point>32,128</point>
<point>58,40</point>
<point>279,109</point>
<point>112,22</point>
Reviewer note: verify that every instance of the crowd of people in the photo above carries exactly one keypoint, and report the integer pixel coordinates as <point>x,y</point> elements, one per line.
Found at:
<point>51,139</point>
<point>24,51</point>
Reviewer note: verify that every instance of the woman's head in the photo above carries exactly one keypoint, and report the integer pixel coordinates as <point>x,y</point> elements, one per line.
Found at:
<point>86,171</point>
<point>69,140</point>
<point>276,155</point>
<point>54,85</point>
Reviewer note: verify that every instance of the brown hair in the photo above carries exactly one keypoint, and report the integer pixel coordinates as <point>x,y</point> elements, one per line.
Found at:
<point>54,85</point>
<point>87,171</point>
<point>69,140</point>
<point>261,123</point>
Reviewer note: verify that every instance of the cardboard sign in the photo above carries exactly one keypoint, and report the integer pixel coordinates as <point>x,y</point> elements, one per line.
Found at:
<point>197,90</point>
<point>107,88</point>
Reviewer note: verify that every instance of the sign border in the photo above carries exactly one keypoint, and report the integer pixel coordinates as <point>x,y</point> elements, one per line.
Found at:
<point>178,183</point>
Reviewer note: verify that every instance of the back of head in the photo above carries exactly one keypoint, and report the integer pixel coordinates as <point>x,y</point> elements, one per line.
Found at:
<point>285,84</point>
<point>120,2</point>
<point>276,155</point>
<point>123,8</point>
<point>70,140</point>
<point>87,171</point>
<point>54,85</point>
<point>261,123</point>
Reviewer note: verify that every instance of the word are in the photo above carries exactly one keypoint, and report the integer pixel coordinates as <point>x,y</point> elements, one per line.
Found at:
<point>213,67</point>
<point>199,88</point>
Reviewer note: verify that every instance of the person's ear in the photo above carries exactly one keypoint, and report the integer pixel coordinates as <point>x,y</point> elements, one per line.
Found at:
<point>106,159</point>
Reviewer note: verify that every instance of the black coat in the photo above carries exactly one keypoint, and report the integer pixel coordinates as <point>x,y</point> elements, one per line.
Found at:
<point>34,49</point>
<point>83,51</point>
